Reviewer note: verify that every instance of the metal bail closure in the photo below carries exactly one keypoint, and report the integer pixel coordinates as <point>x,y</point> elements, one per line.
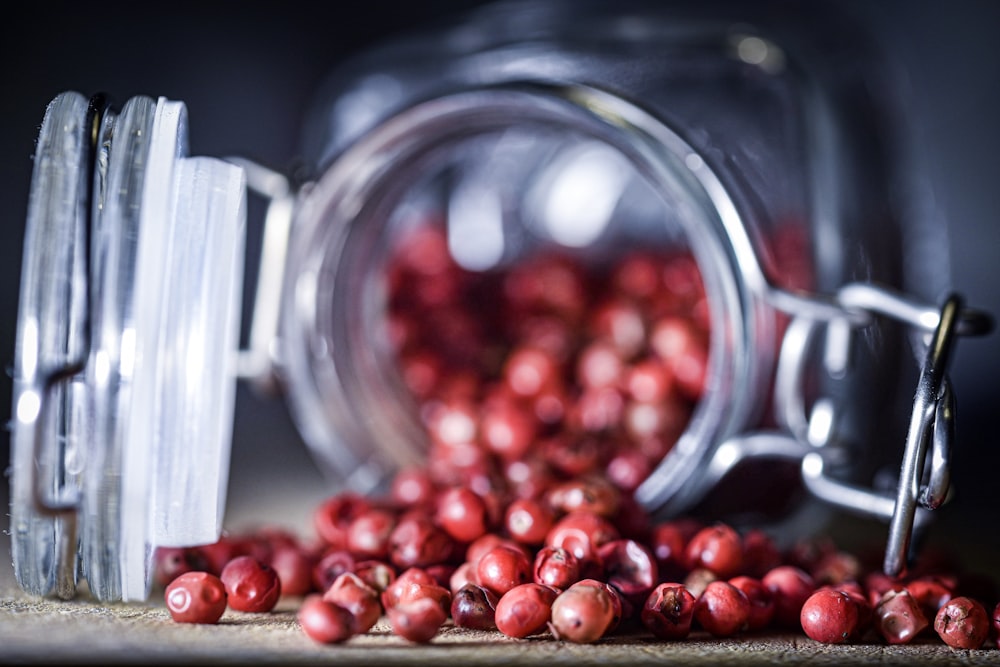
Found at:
<point>932,421</point>
<point>129,321</point>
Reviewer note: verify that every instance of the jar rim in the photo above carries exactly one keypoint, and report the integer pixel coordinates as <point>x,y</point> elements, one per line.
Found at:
<point>335,204</point>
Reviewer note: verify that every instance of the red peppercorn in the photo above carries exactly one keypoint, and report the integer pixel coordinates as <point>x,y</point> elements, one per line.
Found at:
<point>417,620</point>
<point>630,567</point>
<point>582,613</point>
<point>717,548</point>
<point>334,515</point>
<point>171,562</point>
<point>331,565</point>
<point>791,587</point>
<point>417,542</point>
<point>760,553</point>
<point>524,610</point>
<point>411,487</point>
<point>620,322</point>
<point>648,381</point>
<point>251,586</point>
<point>478,548</point>
<point>556,567</point>
<point>683,351</point>
<point>761,601</point>
<point>464,574</point>
<point>405,584</point>
<point>361,600</point>
<point>668,611</point>
<point>295,570</point>
<point>628,468</point>
<point>877,584</point>
<point>528,370</point>
<point>461,513</point>
<point>836,568</point>
<point>325,622</point>
<point>196,597</point>
<point>962,623</point>
<point>377,574</point>
<point>722,609</point>
<point>669,543</point>
<point>473,606</point>
<point>528,521</point>
<point>698,579</point>
<point>218,553</point>
<point>582,534</point>
<point>502,568</point>
<point>930,593</point>
<point>831,616</point>
<point>507,428</point>
<point>898,617</point>
<point>589,493</point>
<point>367,534</point>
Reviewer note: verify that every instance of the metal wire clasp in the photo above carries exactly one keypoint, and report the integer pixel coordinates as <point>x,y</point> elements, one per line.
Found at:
<point>924,478</point>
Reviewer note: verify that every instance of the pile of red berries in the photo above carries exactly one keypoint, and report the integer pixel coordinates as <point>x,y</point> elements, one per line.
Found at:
<point>548,394</point>
<point>579,575</point>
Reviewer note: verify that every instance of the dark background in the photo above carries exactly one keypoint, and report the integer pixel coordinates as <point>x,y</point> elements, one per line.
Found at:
<point>247,72</point>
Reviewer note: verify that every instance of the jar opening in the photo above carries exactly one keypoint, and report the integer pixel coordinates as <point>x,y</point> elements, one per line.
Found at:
<point>476,228</point>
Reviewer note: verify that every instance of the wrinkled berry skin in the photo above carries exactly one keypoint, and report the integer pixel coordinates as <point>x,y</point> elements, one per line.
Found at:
<point>668,611</point>
<point>831,616</point>
<point>196,597</point>
<point>473,606</point>
<point>898,617</point>
<point>361,600</point>
<point>524,610</point>
<point>252,586</point>
<point>962,623</point>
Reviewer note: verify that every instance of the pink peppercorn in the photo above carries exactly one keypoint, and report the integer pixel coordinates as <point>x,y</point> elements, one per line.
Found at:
<point>761,601</point>
<point>962,623</point>
<point>582,613</point>
<point>361,600</point>
<point>417,620</point>
<point>791,587</point>
<point>325,622</point>
<point>196,597</point>
<point>898,617</point>
<point>502,568</point>
<point>668,611</point>
<point>722,609</point>
<point>831,616</point>
<point>251,586</point>
<point>524,610</point>
<point>717,548</point>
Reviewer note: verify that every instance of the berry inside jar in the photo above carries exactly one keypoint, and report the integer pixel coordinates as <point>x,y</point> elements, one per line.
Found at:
<point>551,369</point>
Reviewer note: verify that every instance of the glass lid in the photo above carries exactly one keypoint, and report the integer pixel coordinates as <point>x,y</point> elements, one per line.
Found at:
<point>129,318</point>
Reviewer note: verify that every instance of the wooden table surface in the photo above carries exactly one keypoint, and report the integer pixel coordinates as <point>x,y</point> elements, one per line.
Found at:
<point>81,631</point>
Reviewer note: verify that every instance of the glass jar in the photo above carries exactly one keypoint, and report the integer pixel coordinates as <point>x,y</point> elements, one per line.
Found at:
<point>729,140</point>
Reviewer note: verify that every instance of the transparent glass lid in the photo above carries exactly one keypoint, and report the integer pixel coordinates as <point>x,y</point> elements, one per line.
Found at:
<point>128,321</point>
